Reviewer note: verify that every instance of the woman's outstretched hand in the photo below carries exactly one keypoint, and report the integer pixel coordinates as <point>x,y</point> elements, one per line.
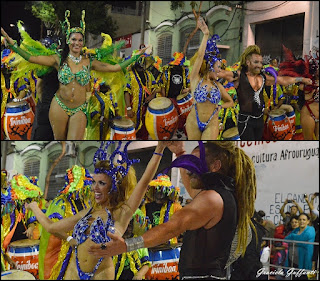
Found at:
<point>8,38</point>
<point>202,25</point>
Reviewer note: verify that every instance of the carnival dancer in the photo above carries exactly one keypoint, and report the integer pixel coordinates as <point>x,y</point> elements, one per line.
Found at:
<point>221,180</point>
<point>115,196</point>
<point>141,88</point>
<point>135,264</point>
<point>202,121</point>
<point>68,108</point>
<point>71,199</point>
<point>250,82</point>
<point>308,69</point>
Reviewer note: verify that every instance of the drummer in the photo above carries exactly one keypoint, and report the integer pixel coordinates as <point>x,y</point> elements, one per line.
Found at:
<point>161,203</point>
<point>139,91</point>
<point>175,81</point>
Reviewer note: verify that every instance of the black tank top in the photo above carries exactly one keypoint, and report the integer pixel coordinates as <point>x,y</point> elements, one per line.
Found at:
<point>249,104</point>
<point>206,251</point>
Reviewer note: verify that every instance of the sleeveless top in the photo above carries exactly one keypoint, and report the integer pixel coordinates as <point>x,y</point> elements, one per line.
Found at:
<point>251,102</point>
<point>65,75</point>
<point>201,94</point>
<point>206,251</point>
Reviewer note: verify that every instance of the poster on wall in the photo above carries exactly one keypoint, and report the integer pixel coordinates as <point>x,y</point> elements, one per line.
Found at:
<point>284,170</point>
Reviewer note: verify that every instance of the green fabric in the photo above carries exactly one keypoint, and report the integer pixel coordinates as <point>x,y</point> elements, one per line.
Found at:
<point>65,75</point>
<point>127,62</point>
<point>19,51</point>
<point>72,111</point>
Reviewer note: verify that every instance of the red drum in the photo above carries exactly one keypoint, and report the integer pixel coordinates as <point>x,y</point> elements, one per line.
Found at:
<point>184,102</point>
<point>161,119</point>
<point>122,129</point>
<point>25,254</point>
<point>164,264</point>
<point>30,100</point>
<point>279,126</point>
<point>18,120</point>
<point>291,115</point>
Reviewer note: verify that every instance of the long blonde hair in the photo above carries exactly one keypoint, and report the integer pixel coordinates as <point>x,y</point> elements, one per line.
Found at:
<point>248,52</point>
<point>237,164</point>
<point>124,188</point>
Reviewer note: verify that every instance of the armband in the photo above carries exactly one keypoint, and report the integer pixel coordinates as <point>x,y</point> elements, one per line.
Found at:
<point>19,51</point>
<point>235,74</point>
<point>127,62</point>
<point>134,243</point>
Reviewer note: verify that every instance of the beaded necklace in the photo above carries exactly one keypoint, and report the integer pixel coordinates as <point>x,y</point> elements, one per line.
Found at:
<point>75,59</point>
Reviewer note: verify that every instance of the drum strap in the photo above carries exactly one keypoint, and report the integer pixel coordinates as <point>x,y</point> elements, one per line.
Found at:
<point>8,238</point>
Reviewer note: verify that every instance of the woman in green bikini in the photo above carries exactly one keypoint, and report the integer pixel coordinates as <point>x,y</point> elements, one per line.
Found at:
<point>67,113</point>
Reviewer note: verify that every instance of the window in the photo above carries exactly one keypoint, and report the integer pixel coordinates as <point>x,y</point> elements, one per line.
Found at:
<point>32,168</point>
<point>194,43</point>
<point>164,48</point>
<point>57,181</point>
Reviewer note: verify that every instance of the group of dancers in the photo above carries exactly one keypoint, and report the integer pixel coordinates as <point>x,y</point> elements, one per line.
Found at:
<point>98,95</point>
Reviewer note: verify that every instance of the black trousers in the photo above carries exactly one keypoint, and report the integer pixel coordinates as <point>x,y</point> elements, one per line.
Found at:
<point>250,128</point>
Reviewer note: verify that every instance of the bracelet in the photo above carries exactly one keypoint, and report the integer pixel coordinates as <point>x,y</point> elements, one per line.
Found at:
<point>134,243</point>
<point>156,153</point>
<point>129,108</point>
<point>69,238</point>
<point>299,79</point>
<point>180,153</point>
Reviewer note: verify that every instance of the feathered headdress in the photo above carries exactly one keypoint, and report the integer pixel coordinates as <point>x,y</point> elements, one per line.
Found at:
<point>66,26</point>
<point>212,53</point>
<point>179,59</point>
<point>23,187</point>
<point>163,185</point>
<point>121,167</point>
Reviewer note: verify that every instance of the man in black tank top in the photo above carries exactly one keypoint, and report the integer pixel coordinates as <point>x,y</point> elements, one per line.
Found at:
<point>210,220</point>
<point>249,80</point>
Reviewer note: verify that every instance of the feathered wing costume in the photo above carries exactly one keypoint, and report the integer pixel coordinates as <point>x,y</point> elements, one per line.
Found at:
<point>106,53</point>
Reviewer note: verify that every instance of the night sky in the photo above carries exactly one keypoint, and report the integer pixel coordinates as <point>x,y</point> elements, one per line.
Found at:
<point>11,12</point>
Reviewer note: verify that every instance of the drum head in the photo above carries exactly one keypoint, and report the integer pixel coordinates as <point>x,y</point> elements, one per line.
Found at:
<point>123,122</point>
<point>16,274</point>
<point>25,243</point>
<point>277,112</point>
<point>160,103</point>
<point>232,132</point>
<point>181,96</point>
<point>16,104</point>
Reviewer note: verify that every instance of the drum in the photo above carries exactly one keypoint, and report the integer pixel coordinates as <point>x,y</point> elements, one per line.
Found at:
<point>164,264</point>
<point>30,100</point>
<point>122,129</point>
<point>18,120</point>
<point>279,126</point>
<point>184,102</point>
<point>291,115</point>
<point>161,119</point>
<point>15,274</point>
<point>231,134</point>
<point>25,253</point>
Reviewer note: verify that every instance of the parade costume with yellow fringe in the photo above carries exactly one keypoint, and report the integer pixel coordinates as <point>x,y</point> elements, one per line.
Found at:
<point>163,185</point>
<point>22,190</point>
<point>53,251</point>
<point>131,262</point>
<point>139,90</point>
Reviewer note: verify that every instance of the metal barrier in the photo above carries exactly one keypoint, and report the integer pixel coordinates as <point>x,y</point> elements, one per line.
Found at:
<point>313,274</point>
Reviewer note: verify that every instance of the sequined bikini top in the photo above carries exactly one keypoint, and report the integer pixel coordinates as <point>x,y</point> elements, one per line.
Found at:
<point>201,94</point>
<point>65,75</point>
<point>98,229</point>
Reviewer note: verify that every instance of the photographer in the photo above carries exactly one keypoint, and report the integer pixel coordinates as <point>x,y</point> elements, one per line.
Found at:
<point>293,211</point>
